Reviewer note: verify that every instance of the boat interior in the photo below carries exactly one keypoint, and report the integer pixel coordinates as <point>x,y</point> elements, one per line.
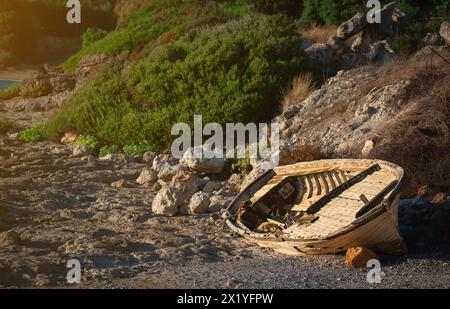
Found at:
<point>314,203</point>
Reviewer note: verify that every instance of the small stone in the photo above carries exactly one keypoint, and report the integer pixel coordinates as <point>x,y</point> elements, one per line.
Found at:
<point>199,203</point>
<point>120,184</point>
<point>69,138</point>
<point>148,175</point>
<point>82,151</point>
<point>359,256</point>
<point>432,39</point>
<point>118,158</point>
<point>148,157</point>
<point>212,186</point>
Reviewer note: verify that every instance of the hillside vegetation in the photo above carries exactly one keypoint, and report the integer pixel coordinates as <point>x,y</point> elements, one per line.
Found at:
<point>194,58</point>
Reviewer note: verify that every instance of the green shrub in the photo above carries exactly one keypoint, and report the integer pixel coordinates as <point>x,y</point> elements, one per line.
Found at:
<point>10,92</point>
<point>106,150</point>
<point>236,8</point>
<point>331,12</point>
<point>136,149</point>
<point>228,73</point>
<point>160,22</point>
<point>87,141</point>
<point>442,8</point>
<point>92,35</point>
<point>241,166</point>
<point>32,135</point>
<point>411,39</point>
<point>288,7</point>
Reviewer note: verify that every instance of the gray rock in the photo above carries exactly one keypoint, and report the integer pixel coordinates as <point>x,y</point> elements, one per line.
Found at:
<point>173,198</point>
<point>291,111</point>
<point>353,26</point>
<point>203,165</point>
<point>148,175</point>
<point>148,157</point>
<point>432,39</point>
<point>320,54</point>
<point>212,186</point>
<point>82,151</point>
<point>219,202</point>
<point>118,158</point>
<point>445,31</point>
<point>380,52</point>
<point>199,203</point>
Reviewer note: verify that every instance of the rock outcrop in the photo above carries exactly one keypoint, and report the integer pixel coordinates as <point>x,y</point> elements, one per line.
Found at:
<point>445,32</point>
<point>370,42</point>
<point>48,80</point>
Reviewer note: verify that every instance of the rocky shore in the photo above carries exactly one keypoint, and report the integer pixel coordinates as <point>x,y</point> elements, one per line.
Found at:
<point>152,221</point>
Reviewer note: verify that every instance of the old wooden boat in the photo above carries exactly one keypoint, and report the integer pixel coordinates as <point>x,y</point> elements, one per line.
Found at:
<point>322,207</point>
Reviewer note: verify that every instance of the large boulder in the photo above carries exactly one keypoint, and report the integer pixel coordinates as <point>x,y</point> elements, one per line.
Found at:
<point>353,26</point>
<point>48,80</point>
<point>445,31</point>
<point>173,198</point>
<point>380,52</point>
<point>205,165</point>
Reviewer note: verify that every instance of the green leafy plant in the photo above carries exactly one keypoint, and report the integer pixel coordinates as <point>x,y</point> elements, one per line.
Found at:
<point>92,35</point>
<point>32,135</point>
<point>136,149</point>
<point>106,150</point>
<point>232,72</point>
<point>10,92</point>
<point>241,166</point>
<point>288,7</point>
<point>87,141</point>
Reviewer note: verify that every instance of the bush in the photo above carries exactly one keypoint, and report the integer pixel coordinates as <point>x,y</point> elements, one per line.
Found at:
<point>288,7</point>
<point>241,166</point>
<point>106,150</point>
<point>10,92</point>
<point>160,22</point>
<point>227,73</point>
<point>87,141</point>
<point>32,135</point>
<point>92,35</point>
<point>331,12</point>
<point>136,149</point>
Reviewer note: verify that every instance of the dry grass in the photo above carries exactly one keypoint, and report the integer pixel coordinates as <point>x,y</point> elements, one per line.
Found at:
<point>302,86</point>
<point>318,34</point>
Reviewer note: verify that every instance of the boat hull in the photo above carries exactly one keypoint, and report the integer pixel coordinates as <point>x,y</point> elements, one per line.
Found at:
<point>378,230</point>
